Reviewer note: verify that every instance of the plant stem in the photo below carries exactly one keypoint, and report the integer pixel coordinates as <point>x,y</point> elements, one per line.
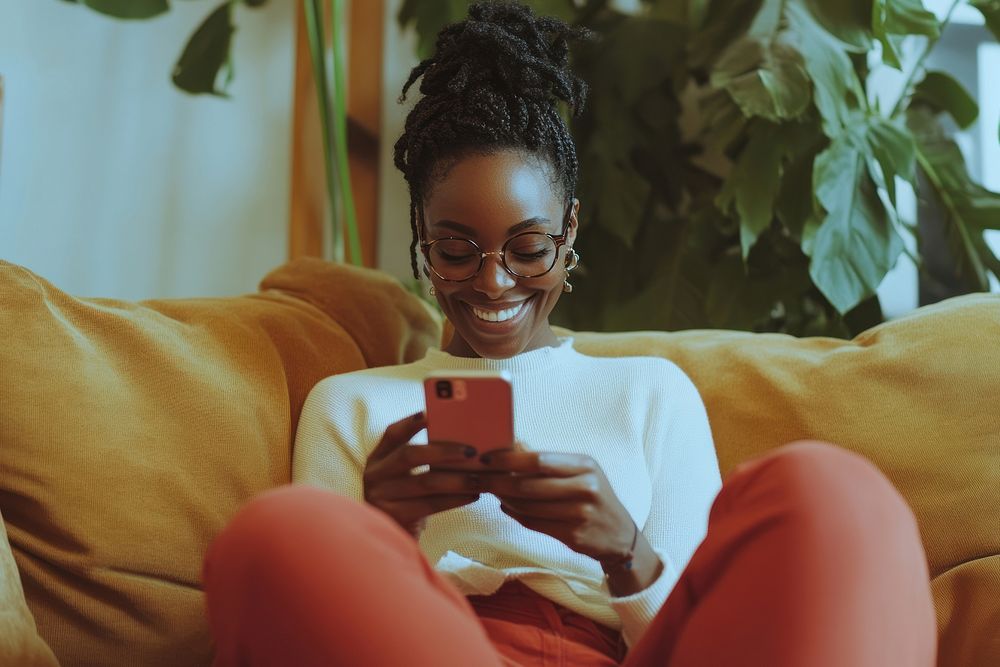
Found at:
<point>340,130</point>
<point>895,221</point>
<point>905,92</point>
<point>317,47</point>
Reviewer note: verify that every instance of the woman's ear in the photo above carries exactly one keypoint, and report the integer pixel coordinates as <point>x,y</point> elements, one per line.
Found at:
<point>573,222</point>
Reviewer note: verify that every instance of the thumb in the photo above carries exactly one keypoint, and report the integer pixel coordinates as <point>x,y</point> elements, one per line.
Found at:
<point>398,434</point>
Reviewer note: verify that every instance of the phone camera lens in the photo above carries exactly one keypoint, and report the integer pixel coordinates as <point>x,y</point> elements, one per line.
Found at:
<point>443,388</point>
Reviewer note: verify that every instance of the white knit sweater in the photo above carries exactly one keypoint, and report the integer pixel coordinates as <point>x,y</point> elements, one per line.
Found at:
<point>640,418</point>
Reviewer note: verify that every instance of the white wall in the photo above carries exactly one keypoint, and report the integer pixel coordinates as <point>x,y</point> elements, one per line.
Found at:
<point>989,129</point>
<point>115,183</point>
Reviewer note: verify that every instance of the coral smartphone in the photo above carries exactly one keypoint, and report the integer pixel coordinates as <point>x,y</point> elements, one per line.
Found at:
<point>472,408</point>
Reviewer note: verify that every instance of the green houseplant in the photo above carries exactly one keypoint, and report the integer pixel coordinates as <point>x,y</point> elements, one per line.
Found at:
<point>736,170</point>
<point>205,66</point>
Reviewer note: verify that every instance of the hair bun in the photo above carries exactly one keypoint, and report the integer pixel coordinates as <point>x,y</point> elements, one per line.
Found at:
<point>503,45</point>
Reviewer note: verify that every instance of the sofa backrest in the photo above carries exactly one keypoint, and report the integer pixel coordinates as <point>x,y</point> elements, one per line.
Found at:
<point>919,396</point>
<point>132,432</point>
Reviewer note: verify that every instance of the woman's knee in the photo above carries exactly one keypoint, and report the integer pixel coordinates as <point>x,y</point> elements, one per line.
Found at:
<point>258,534</point>
<point>287,527</point>
<point>833,485</point>
<point>270,514</point>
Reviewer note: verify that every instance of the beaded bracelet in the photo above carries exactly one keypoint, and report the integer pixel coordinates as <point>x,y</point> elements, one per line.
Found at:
<point>626,560</point>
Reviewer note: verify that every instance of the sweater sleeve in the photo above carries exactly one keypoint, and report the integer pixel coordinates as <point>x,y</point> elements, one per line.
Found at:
<point>684,472</point>
<point>327,452</point>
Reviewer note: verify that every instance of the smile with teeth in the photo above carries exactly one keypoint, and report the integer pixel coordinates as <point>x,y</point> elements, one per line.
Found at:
<point>497,315</point>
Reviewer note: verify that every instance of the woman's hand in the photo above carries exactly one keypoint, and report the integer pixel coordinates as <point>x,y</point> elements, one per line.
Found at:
<point>566,496</point>
<point>409,499</point>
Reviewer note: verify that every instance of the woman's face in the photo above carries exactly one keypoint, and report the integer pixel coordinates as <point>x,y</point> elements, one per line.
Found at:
<point>488,199</point>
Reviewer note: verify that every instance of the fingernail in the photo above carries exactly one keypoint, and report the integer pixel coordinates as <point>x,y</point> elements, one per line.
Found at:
<point>470,452</point>
<point>485,458</point>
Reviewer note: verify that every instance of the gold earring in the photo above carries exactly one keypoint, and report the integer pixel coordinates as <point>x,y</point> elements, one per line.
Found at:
<point>572,259</point>
<point>433,291</point>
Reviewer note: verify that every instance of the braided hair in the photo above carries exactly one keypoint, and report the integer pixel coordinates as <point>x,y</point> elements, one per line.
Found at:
<point>492,84</point>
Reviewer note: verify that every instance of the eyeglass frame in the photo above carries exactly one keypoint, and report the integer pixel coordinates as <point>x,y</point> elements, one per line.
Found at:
<point>558,239</point>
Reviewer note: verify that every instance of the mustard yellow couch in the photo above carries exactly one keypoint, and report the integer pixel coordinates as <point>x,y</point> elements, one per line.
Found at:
<point>131,431</point>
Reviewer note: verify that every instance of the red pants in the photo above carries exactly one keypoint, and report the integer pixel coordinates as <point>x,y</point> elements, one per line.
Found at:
<point>812,559</point>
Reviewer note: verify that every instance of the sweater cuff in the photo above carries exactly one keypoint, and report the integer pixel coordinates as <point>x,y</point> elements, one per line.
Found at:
<point>637,611</point>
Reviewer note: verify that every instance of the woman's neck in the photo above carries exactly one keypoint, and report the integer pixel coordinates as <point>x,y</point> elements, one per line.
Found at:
<point>459,347</point>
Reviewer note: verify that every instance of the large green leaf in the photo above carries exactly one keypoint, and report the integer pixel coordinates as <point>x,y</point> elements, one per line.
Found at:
<point>990,9</point>
<point>722,121</point>
<point>891,44</point>
<point>207,53</point>
<point>970,208</point>
<point>724,23</point>
<point>836,88</point>
<point>618,166</point>
<point>796,203</point>
<point>888,149</point>
<point>941,92</point>
<point>619,203</point>
<point>894,19</point>
<point>764,77</point>
<point>753,184</point>
<point>907,17</point>
<point>735,299</point>
<point>855,246</point>
<point>976,205</point>
<point>673,300</point>
<point>847,20</point>
<point>647,53</point>
<point>660,154</point>
<point>127,9</point>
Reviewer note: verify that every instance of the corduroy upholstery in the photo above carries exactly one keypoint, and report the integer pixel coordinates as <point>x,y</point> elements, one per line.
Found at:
<point>919,396</point>
<point>131,432</point>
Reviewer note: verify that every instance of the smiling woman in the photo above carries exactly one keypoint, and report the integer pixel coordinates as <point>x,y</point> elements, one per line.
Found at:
<point>587,541</point>
<point>486,154</point>
<point>498,300</point>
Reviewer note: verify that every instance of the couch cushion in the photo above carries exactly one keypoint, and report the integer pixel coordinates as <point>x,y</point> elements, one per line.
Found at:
<point>19,641</point>
<point>132,432</point>
<point>919,396</point>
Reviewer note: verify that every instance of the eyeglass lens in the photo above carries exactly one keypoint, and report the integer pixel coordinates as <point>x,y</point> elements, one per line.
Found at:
<point>526,255</point>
